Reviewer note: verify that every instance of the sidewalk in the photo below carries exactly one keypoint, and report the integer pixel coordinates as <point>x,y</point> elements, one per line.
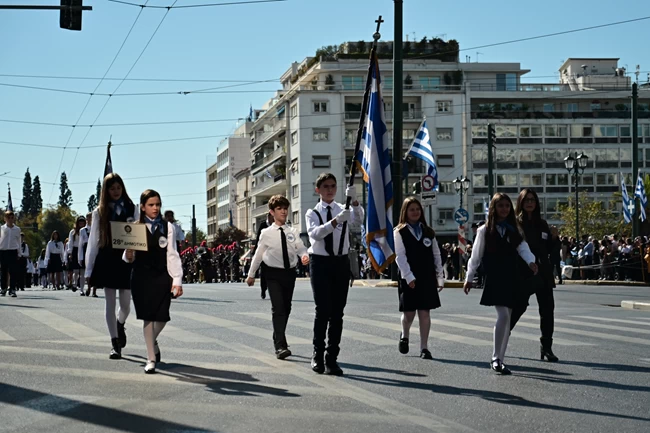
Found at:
<point>459,284</point>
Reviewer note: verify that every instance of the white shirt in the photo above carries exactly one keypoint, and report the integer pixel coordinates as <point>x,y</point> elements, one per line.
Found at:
<point>403,264</point>
<point>73,241</point>
<point>180,234</point>
<point>174,264</point>
<point>54,248</point>
<point>10,238</point>
<point>318,231</point>
<point>41,264</point>
<point>93,240</point>
<point>30,267</point>
<point>269,248</point>
<point>24,252</point>
<point>479,248</point>
<point>83,240</point>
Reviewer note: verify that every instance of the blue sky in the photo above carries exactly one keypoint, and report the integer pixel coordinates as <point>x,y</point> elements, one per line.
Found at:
<point>240,42</point>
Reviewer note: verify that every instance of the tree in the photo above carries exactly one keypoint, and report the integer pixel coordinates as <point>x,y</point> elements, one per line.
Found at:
<point>26,204</point>
<point>65,197</point>
<point>595,219</point>
<point>200,236</point>
<point>37,200</point>
<point>93,200</point>
<point>229,235</point>
<point>61,218</point>
<point>33,238</point>
<point>98,194</point>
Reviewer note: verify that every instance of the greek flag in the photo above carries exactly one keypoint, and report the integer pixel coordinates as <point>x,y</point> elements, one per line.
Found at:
<point>421,148</point>
<point>108,167</point>
<point>640,193</point>
<point>374,161</point>
<point>628,205</point>
<point>10,204</point>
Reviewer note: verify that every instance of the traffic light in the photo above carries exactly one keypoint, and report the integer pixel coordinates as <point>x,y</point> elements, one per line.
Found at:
<point>70,18</point>
<point>417,187</point>
<point>492,135</point>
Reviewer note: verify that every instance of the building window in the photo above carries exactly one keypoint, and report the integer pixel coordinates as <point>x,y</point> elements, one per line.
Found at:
<point>479,131</point>
<point>549,108</point>
<point>320,107</point>
<point>387,83</point>
<point>555,131</point>
<point>295,218</point>
<point>595,107</point>
<point>479,158</point>
<point>606,131</point>
<point>531,158</point>
<point>445,160</point>
<point>530,131</point>
<point>430,83</point>
<point>444,107</point>
<point>506,158</point>
<point>295,191</point>
<point>446,214</point>
<point>294,137</point>
<point>505,131</point>
<point>294,166</point>
<point>444,134</point>
<point>530,180</point>
<point>321,161</point>
<point>446,187</point>
<point>572,107</point>
<point>580,130</point>
<point>352,82</point>
<point>294,110</point>
<point>507,82</point>
<point>321,134</point>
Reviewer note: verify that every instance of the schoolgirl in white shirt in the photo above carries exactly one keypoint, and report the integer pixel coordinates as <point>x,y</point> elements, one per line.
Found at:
<point>72,252</point>
<point>54,257</point>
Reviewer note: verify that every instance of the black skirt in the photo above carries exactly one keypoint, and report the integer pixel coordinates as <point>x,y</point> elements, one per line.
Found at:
<point>424,296</point>
<point>73,261</point>
<point>110,271</point>
<point>54,264</point>
<point>151,293</point>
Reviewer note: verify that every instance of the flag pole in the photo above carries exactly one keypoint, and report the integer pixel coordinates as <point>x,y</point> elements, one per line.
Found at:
<point>362,121</point>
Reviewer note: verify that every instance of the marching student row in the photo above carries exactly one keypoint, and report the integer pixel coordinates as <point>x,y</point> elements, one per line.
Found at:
<point>510,251</point>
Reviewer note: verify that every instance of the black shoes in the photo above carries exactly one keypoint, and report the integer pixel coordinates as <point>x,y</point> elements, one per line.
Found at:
<point>150,367</point>
<point>425,354</point>
<point>263,294</point>
<point>121,334</point>
<point>3,293</point>
<point>547,352</point>
<point>332,367</point>
<point>403,345</point>
<point>156,350</point>
<point>12,294</point>
<point>318,362</point>
<point>282,353</point>
<point>497,366</point>
<point>116,351</point>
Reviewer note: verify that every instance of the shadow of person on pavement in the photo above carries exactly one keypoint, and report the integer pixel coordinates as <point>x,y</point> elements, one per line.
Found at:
<point>624,368</point>
<point>494,396</point>
<point>370,369</point>
<point>91,414</point>
<point>516,369</point>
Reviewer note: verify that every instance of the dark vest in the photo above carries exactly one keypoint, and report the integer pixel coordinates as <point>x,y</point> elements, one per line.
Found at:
<point>419,256</point>
<point>155,258</point>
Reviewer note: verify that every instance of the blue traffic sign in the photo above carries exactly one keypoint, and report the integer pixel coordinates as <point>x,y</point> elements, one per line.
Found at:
<point>461,216</point>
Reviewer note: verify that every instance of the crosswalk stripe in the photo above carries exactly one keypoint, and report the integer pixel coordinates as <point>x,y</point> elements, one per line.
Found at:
<point>603,326</point>
<point>6,337</point>
<point>63,325</point>
<point>619,338</point>
<point>238,327</point>
<point>434,334</point>
<point>182,335</point>
<point>352,335</point>
<point>489,330</point>
<point>609,319</point>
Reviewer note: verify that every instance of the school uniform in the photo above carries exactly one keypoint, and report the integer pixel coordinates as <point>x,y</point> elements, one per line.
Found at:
<point>21,267</point>
<point>84,234</point>
<point>154,273</point>
<point>9,254</point>
<point>54,257</point>
<point>279,247</point>
<point>42,270</point>
<point>104,265</point>
<point>72,252</point>
<point>418,259</point>
<point>329,272</point>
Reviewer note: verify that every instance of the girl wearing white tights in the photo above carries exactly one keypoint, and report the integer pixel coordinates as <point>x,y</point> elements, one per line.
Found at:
<point>498,245</point>
<point>104,265</point>
<point>421,274</point>
<point>157,275</point>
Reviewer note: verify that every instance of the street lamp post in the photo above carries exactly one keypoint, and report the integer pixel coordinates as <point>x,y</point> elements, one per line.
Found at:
<point>461,186</point>
<point>576,166</point>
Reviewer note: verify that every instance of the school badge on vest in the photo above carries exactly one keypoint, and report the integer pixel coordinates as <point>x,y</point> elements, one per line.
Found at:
<point>291,237</point>
<point>162,242</point>
<point>427,242</point>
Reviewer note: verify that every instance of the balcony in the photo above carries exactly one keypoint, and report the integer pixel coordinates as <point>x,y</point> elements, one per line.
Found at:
<point>262,137</point>
<point>598,114</point>
<point>275,185</point>
<point>550,87</point>
<point>277,153</point>
<point>409,116</point>
<point>260,210</point>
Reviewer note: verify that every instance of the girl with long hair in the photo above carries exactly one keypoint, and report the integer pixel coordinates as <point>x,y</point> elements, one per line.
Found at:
<point>104,265</point>
<point>73,253</point>
<point>421,274</point>
<point>498,246</point>
<point>157,275</point>
<point>42,270</point>
<point>54,257</point>
<point>541,239</point>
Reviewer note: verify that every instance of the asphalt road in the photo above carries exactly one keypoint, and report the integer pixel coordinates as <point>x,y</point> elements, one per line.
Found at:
<point>219,374</point>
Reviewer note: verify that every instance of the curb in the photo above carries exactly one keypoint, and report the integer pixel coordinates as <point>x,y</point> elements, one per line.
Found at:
<point>602,283</point>
<point>636,305</point>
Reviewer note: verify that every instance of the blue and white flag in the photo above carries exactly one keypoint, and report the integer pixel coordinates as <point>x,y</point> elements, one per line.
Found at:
<point>108,166</point>
<point>374,159</point>
<point>421,148</point>
<point>639,192</point>
<point>10,204</point>
<point>628,205</point>
<point>268,174</point>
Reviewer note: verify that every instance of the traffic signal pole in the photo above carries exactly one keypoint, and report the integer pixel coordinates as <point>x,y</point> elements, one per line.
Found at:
<point>71,11</point>
<point>491,138</point>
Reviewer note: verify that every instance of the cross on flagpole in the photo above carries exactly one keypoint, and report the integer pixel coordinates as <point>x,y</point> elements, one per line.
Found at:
<point>630,207</point>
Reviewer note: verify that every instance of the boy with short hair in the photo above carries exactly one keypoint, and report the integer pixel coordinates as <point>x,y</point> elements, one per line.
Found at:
<point>9,253</point>
<point>279,246</point>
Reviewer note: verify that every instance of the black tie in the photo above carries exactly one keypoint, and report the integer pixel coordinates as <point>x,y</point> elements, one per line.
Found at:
<point>329,239</point>
<point>285,250</point>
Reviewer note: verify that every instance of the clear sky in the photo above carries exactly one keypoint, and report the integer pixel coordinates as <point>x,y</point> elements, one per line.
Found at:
<point>239,42</point>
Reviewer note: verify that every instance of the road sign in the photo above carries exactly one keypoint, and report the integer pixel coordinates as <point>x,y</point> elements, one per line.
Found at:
<point>429,198</point>
<point>428,183</point>
<point>461,216</point>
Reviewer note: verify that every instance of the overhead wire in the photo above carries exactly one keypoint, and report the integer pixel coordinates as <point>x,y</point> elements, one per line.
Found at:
<point>196,5</point>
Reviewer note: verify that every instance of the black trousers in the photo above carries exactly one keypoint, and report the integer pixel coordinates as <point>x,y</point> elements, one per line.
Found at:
<point>546,304</point>
<point>8,262</point>
<point>281,283</point>
<point>21,273</point>
<point>330,282</point>
<point>558,268</point>
<point>263,284</point>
